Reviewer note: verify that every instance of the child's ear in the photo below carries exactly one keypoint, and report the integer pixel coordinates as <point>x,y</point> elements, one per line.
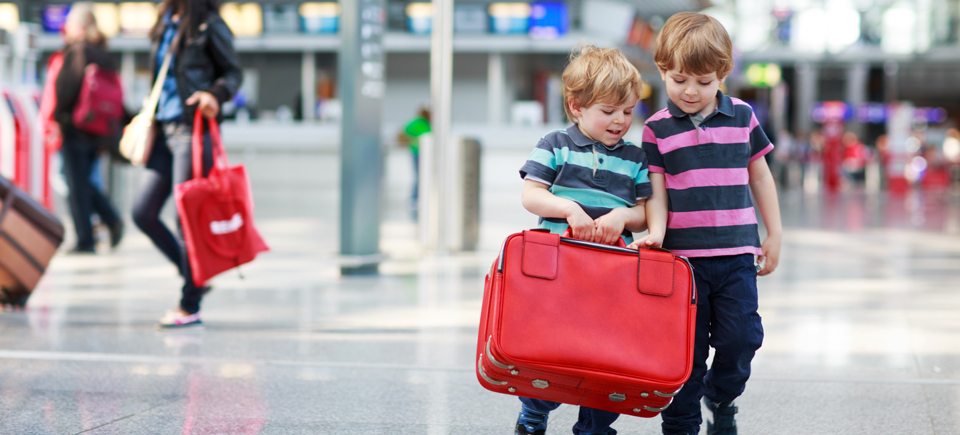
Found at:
<point>574,109</point>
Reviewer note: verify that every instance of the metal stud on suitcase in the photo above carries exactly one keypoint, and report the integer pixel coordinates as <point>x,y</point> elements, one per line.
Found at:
<point>29,237</point>
<point>587,324</point>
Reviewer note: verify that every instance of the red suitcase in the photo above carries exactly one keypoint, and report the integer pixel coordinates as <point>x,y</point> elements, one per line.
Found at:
<point>587,324</point>
<point>29,237</point>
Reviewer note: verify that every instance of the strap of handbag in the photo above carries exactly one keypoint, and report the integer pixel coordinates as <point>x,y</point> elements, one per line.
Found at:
<point>154,99</point>
<point>219,154</point>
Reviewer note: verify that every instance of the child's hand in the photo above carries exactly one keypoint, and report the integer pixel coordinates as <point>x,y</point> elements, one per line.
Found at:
<point>648,241</point>
<point>609,227</point>
<point>581,225</point>
<point>771,255</point>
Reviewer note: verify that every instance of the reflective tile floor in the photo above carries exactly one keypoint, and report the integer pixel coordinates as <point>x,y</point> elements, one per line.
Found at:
<point>862,324</point>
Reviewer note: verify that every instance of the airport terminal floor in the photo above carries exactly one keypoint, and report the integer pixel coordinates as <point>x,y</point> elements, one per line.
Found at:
<point>862,323</point>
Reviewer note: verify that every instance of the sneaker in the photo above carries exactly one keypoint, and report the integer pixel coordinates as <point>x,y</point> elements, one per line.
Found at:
<point>531,423</point>
<point>176,319</point>
<point>721,418</point>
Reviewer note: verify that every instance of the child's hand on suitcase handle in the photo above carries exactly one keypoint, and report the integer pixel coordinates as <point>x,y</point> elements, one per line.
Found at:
<point>582,226</point>
<point>648,241</point>
<point>610,226</point>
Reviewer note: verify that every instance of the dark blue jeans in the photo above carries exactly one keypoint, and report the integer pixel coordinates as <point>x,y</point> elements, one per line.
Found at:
<point>170,163</point>
<point>727,320</point>
<point>591,421</point>
<point>79,154</point>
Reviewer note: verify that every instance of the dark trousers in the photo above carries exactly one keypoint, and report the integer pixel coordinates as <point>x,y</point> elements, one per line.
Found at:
<point>170,163</point>
<point>79,153</point>
<point>591,421</point>
<point>727,320</point>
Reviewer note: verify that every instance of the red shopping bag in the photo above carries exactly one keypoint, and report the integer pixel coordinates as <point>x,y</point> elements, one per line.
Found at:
<point>216,211</point>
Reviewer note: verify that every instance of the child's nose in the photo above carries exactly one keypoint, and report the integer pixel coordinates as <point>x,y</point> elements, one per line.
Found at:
<point>689,90</point>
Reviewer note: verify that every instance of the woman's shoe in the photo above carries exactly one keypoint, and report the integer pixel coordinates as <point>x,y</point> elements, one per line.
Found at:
<point>116,233</point>
<point>82,250</point>
<point>176,319</point>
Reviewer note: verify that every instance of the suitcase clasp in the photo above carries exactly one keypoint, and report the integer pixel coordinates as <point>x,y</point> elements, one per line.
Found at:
<point>540,383</point>
<point>618,397</point>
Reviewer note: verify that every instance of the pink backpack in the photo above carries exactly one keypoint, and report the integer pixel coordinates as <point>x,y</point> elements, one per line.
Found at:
<point>99,108</point>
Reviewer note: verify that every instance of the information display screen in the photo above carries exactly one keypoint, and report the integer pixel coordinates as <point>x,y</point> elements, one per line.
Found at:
<point>548,20</point>
<point>52,17</point>
<point>320,17</point>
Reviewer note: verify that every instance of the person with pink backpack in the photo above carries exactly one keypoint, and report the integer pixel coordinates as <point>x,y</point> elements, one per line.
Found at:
<point>88,111</point>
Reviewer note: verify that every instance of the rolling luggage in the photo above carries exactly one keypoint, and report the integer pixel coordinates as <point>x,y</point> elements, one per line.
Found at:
<point>29,236</point>
<point>587,324</point>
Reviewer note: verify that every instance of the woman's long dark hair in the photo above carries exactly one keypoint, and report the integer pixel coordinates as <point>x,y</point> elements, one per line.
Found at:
<point>193,13</point>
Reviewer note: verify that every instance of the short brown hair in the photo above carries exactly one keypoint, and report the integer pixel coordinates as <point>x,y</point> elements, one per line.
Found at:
<point>598,75</point>
<point>696,44</point>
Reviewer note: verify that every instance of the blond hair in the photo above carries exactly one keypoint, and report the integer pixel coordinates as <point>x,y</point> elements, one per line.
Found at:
<point>598,75</point>
<point>695,44</point>
<point>81,14</point>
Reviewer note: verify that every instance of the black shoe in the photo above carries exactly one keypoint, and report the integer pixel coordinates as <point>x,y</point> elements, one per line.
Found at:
<point>721,419</point>
<point>116,233</point>
<point>531,423</point>
<point>82,250</point>
<point>522,430</point>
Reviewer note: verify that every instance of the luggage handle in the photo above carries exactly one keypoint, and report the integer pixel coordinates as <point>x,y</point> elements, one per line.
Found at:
<point>567,234</point>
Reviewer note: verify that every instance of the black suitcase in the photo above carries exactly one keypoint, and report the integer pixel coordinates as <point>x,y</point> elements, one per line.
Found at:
<point>29,237</point>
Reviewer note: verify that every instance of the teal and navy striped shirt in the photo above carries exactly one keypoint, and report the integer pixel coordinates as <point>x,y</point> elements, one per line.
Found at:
<point>597,177</point>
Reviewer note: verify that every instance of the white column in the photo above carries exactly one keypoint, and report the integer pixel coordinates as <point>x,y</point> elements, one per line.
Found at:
<point>441,87</point>
<point>128,75</point>
<point>495,80</point>
<point>308,85</point>
<point>806,96</point>
<point>856,92</point>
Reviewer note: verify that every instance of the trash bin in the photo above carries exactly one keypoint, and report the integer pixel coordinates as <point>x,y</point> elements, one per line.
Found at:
<point>449,204</point>
<point>470,164</point>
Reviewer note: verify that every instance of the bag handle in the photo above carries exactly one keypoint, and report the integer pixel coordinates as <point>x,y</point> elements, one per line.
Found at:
<point>151,108</point>
<point>567,234</point>
<point>219,155</point>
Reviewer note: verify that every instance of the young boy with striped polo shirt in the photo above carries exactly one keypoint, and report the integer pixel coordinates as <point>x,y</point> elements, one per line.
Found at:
<point>706,157</point>
<point>588,179</point>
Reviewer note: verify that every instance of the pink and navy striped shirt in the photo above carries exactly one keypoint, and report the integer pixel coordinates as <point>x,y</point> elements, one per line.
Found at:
<point>710,210</point>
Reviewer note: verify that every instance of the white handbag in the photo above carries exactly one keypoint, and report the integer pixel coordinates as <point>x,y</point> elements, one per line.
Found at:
<point>138,136</point>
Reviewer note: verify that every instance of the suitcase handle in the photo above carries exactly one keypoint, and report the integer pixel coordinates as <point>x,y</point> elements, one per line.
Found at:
<point>567,234</point>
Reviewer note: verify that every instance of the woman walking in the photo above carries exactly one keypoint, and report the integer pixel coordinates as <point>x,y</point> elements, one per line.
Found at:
<point>203,73</point>
<point>85,45</point>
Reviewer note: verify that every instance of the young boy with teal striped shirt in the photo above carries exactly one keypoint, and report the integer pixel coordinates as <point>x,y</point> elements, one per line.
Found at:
<point>589,180</point>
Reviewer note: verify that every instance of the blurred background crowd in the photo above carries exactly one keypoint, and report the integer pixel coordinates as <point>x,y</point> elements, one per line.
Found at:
<point>854,93</point>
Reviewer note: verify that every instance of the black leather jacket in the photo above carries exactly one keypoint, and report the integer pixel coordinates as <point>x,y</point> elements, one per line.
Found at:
<point>205,63</point>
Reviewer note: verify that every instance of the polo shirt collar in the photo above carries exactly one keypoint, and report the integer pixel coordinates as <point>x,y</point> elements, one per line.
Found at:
<point>725,106</point>
<point>581,140</point>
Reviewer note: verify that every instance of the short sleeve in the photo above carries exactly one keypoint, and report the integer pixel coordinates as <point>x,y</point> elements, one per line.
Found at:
<point>642,180</point>
<point>542,163</point>
<point>654,158</point>
<point>759,143</point>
